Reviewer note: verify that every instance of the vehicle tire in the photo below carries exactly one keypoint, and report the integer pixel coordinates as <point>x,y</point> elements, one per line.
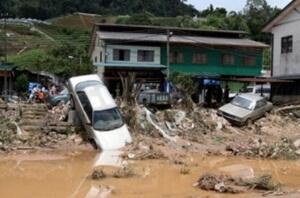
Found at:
<point>58,102</point>
<point>249,122</point>
<point>72,104</point>
<point>144,101</point>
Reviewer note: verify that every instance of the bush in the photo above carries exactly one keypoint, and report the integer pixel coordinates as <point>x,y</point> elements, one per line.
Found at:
<point>21,83</point>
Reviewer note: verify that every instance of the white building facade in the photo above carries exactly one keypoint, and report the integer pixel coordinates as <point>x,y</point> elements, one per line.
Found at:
<point>285,30</point>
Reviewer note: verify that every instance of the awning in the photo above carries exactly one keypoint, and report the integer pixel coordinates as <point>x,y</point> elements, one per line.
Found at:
<point>260,80</point>
<point>7,67</point>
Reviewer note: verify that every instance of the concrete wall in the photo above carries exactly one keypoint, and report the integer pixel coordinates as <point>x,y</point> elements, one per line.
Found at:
<point>133,53</point>
<point>98,51</point>
<point>287,63</point>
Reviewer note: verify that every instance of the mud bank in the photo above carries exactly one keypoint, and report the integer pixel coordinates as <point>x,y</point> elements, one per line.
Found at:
<point>67,174</point>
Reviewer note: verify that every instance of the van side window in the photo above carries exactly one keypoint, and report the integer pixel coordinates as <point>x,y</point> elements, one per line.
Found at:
<point>86,105</point>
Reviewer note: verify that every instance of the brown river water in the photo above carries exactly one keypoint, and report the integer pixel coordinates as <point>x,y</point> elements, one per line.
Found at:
<point>67,175</point>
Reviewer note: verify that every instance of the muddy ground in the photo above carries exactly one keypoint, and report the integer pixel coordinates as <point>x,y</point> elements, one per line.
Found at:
<point>174,136</point>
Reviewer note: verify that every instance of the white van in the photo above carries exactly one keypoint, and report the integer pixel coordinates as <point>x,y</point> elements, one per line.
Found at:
<point>98,112</point>
<point>262,90</point>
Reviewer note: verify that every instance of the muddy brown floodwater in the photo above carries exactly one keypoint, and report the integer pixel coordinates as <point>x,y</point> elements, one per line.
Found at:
<point>66,175</point>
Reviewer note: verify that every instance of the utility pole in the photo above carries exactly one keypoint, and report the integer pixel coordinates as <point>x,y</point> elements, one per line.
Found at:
<point>169,34</point>
<point>5,15</point>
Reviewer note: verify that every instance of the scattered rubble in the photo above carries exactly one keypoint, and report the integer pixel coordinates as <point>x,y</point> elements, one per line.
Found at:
<point>269,137</point>
<point>98,174</point>
<point>141,151</point>
<point>123,172</point>
<point>32,126</point>
<point>228,184</point>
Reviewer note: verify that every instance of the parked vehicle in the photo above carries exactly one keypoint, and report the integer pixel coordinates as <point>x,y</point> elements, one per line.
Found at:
<point>62,96</point>
<point>98,112</point>
<point>262,90</point>
<point>245,108</point>
<point>154,97</point>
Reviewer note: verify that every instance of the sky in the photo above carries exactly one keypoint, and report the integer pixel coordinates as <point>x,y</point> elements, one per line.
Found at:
<point>236,5</point>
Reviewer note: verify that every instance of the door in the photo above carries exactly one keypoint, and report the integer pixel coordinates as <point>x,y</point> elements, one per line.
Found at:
<point>86,112</point>
<point>260,108</point>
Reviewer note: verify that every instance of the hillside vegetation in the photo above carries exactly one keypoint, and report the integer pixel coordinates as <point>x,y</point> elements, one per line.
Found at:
<point>45,9</point>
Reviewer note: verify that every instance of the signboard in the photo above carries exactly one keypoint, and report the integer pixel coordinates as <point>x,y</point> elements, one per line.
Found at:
<point>5,73</point>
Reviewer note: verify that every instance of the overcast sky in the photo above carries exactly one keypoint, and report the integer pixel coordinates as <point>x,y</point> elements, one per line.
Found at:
<point>230,5</point>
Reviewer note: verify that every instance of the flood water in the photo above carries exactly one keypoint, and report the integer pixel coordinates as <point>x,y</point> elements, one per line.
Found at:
<point>66,175</point>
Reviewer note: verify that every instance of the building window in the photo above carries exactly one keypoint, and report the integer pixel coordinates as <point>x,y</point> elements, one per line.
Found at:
<point>100,57</point>
<point>228,59</point>
<point>249,60</point>
<point>145,55</point>
<point>121,55</point>
<point>200,58</point>
<point>95,59</point>
<point>176,57</point>
<point>287,44</point>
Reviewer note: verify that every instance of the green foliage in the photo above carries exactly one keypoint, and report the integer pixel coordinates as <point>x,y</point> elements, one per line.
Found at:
<point>66,60</point>
<point>136,19</point>
<point>44,9</point>
<point>21,83</point>
<point>267,59</point>
<point>184,83</point>
<point>257,13</point>
<point>29,59</point>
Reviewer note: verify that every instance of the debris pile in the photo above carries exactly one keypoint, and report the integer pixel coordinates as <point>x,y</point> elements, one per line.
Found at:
<point>283,149</point>
<point>227,184</point>
<point>32,126</point>
<point>60,112</point>
<point>122,172</point>
<point>140,150</point>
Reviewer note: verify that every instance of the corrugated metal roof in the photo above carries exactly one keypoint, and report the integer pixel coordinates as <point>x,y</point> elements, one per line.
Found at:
<point>131,26</point>
<point>147,37</point>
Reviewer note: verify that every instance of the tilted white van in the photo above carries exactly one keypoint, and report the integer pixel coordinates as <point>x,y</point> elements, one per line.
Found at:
<point>98,112</point>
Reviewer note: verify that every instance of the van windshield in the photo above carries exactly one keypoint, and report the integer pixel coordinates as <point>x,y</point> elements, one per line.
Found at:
<point>81,86</point>
<point>107,120</point>
<point>243,103</point>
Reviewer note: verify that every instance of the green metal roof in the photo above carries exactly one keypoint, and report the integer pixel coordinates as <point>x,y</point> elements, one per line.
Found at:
<point>7,67</point>
<point>129,65</point>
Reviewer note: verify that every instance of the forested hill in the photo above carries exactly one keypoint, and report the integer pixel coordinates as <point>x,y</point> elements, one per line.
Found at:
<point>44,9</point>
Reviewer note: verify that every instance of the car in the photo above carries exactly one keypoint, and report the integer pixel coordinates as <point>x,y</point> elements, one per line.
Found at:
<point>154,97</point>
<point>62,96</point>
<point>245,108</point>
<point>98,112</point>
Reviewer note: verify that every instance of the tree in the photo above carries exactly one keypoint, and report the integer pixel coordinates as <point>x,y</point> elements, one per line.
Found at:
<point>43,9</point>
<point>257,13</point>
<point>186,86</point>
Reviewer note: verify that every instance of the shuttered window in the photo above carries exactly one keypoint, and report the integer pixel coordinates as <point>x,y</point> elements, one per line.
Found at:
<point>249,60</point>
<point>121,55</point>
<point>200,58</point>
<point>228,59</point>
<point>145,55</point>
<point>176,57</point>
<point>287,44</point>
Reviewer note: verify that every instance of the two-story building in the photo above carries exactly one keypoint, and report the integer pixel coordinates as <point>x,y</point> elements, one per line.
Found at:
<point>202,53</point>
<point>285,31</point>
